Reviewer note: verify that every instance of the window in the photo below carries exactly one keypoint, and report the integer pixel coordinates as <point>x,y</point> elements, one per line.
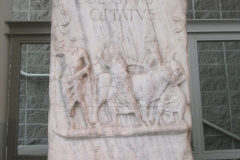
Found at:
<point>215,94</point>
<point>28,96</point>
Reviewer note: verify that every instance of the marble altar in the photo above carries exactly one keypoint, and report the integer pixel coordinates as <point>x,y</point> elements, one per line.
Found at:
<point>119,81</point>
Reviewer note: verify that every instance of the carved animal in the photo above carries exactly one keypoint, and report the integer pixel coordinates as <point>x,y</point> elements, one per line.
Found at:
<point>103,85</point>
<point>147,87</point>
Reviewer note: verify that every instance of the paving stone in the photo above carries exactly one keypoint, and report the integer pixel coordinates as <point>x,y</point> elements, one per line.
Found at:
<point>230,15</point>
<point>34,47</point>
<point>210,46</point>
<point>23,62</point>
<point>213,84</point>
<point>214,98</point>
<point>236,144</point>
<point>207,15</point>
<point>233,70</point>
<point>22,88</point>
<point>189,5</point>
<point>211,57</point>
<point>38,59</point>
<point>21,131</point>
<point>43,70</point>
<point>23,48</point>
<point>207,71</point>
<point>36,131</point>
<point>40,5</point>
<point>236,126</point>
<point>235,112</point>
<point>38,102</point>
<point>47,59</point>
<point>217,113</point>
<point>23,55</point>
<point>224,124</point>
<point>206,5</point>
<point>233,57</point>
<point>48,5</point>
<point>20,5</point>
<point>34,142</point>
<point>46,47</point>
<point>21,142</point>
<point>21,117</point>
<point>232,45</point>
<point>45,141</point>
<point>217,142</point>
<point>40,16</point>
<point>37,116</point>
<point>235,98</point>
<point>37,87</point>
<point>33,70</point>
<point>23,78</point>
<point>22,102</point>
<point>230,5</point>
<point>20,15</point>
<point>189,14</point>
<point>37,5</point>
<point>234,84</point>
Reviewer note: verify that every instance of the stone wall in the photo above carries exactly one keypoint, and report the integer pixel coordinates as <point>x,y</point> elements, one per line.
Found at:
<point>213,9</point>
<point>32,10</point>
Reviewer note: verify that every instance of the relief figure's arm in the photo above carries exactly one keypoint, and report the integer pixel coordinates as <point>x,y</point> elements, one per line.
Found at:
<point>132,62</point>
<point>103,63</point>
<point>148,62</point>
<point>86,60</point>
<point>80,73</point>
<point>182,76</point>
<point>83,71</point>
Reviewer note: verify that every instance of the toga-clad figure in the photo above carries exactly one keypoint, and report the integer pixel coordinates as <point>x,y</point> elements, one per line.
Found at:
<point>120,97</point>
<point>76,66</point>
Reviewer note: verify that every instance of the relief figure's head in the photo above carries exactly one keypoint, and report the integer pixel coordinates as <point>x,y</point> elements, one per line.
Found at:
<point>151,43</point>
<point>64,16</point>
<point>169,54</point>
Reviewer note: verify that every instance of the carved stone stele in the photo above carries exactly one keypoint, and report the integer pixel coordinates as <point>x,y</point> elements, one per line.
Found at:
<point>119,81</point>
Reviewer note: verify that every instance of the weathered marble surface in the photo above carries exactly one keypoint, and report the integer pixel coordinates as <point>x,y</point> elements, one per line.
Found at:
<point>119,85</point>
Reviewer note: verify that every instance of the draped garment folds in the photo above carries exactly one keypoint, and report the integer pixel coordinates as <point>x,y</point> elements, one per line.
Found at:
<point>120,92</point>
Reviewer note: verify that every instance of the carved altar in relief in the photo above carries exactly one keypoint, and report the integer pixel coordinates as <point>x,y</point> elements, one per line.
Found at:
<point>119,80</point>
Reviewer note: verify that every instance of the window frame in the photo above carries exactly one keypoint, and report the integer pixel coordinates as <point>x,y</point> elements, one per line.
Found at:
<point>14,85</point>
<point>196,106</point>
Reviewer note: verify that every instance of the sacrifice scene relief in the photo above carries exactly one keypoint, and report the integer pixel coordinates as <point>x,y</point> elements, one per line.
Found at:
<point>127,97</point>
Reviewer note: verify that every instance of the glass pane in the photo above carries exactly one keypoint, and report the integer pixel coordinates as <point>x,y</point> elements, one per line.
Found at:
<point>219,71</point>
<point>33,100</point>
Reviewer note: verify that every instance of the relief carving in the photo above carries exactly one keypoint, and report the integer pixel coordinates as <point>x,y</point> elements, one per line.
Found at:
<point>152,96</point>
<point>119,79</point>
<point>172,101</point>
<point>120,97</point>
<point>75,66</point>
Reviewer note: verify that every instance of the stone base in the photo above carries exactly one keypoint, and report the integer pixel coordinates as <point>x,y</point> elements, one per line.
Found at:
<point>122,131</point>
<point>154,147</point>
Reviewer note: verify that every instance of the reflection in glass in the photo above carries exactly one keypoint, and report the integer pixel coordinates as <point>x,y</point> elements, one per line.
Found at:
<point>219,70</point>
<point>33,100</point>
